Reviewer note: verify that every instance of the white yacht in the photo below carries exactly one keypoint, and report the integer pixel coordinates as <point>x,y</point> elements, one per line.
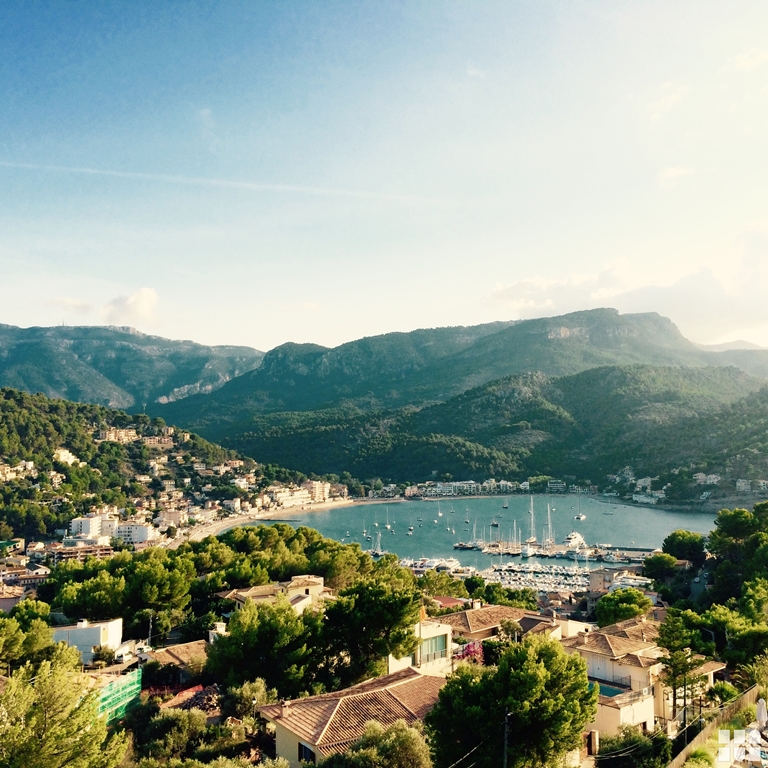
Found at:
<point>574,540</point>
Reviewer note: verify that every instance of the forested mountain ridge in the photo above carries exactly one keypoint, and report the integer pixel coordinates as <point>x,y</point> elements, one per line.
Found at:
<point>430,366</point>
<point>585,425</point>
<point>118,367</point>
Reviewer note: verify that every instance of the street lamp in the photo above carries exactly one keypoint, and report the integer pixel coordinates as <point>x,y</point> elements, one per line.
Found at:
<point>506,736</point>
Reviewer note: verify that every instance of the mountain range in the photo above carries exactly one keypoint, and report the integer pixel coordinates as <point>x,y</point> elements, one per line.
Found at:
<point>115,367</point>
<point>429,366</point>
<point>578,394</point>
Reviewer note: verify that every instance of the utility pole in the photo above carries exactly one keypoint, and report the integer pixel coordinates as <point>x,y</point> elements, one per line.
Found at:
<point>506,737</point>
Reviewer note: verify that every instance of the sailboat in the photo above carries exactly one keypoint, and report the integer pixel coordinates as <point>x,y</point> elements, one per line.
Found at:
<point>549,537</point>
<point>505,505</point>
<point>387,526</point>
<point>529,550</point>
<point>377,551</point>
<point>439,513</point>
<point>579,515</point>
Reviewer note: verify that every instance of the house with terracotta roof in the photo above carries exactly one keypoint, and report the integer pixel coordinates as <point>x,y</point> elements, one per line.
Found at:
<point>318,726</point>
<point>482,623</point>
<point>302,592</point>
<point>10,596</point>
<point>624,662</point>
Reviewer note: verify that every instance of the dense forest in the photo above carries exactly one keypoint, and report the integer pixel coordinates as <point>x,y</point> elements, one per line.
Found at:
<point>585,426</point>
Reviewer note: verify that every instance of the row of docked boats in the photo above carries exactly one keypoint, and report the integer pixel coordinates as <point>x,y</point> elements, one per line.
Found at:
<point>419,566</point>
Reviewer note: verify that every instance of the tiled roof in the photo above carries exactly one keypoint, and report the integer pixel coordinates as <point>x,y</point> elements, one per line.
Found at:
<point>709,666</point>
<point>638,628</point>
<point>635,660</point>
<point>478,619</point>
<point>263,590</point>
<point>303,581</point>
<point>182,655</point>
<point>450,602</point>
<point>607,645</point>
<point>333,721</point>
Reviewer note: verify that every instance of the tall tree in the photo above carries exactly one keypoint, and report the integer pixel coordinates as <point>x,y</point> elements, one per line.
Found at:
<point>368,622</point>
<point>50,721</point>
<point>399,746</point>
<point>678,661</point>
<point>620,605</point>
<point>266,641</point>
<point>685,545</point>
<point>542,691</point>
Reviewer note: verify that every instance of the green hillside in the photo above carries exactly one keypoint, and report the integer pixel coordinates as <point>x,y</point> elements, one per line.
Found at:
<point>431,366</point>
<point>45,492</point>
<point>585,425</point>
<point>118,367</point>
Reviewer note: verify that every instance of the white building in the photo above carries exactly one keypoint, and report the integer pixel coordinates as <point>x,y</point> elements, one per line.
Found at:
<point>289,497</point>
<point>433,655</point>
<point>85,636</point>
<point>85,526</point>
<point>743,485</point>
<point>319,491</point>
<point>64,456</point>
<point>136,533</point>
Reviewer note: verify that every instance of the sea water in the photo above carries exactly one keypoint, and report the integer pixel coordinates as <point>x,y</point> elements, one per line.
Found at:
<point>437,526</point>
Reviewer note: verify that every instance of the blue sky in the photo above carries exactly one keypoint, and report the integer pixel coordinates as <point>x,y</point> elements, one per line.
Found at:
<point>254,173</point>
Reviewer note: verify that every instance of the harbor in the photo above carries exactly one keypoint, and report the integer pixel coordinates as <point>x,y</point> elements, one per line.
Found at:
<point>545,542</point>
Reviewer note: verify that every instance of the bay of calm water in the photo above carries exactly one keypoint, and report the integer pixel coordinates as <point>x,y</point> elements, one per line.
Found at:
<point>624,526</point>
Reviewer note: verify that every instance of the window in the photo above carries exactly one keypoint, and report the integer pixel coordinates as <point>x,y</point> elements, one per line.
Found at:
<point>434,648</point>
<point>306,755</point>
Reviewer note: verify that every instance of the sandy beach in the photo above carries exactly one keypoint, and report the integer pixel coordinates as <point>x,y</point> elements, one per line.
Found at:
<point>200,532</point>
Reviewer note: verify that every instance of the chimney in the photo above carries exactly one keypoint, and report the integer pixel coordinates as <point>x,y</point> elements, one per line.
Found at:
<point>284,706</point>
<point>582,638</point>
<point>82,623</point>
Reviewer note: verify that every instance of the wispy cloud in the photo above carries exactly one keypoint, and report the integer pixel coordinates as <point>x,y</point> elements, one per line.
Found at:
<point>746,62</point>
<point>139,307</point>
<point>689,299</point>
<point>668,176</point>
<point>473,71</point>
<point>670,94</point>
<point>228,184</point>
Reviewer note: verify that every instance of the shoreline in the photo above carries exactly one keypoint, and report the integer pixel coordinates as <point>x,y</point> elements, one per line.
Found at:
<point>198,533</point>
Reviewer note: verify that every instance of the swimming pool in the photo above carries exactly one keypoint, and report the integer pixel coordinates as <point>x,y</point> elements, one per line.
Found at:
<point>609,690</point>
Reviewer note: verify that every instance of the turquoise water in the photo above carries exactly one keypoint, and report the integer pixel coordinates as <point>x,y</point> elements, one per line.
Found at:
<point>623,526</point>
<point>609,690</point>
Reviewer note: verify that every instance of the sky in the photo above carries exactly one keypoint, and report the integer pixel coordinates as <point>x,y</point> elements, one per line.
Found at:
<point>256,173</point>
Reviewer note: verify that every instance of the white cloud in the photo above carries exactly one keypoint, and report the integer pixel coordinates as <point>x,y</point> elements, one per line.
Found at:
<point>670,94</point>
<point>745,62</point>
<point>473,71</point>
<point>668,176</point>
<point>706,307</point>
<point>139,307</point>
